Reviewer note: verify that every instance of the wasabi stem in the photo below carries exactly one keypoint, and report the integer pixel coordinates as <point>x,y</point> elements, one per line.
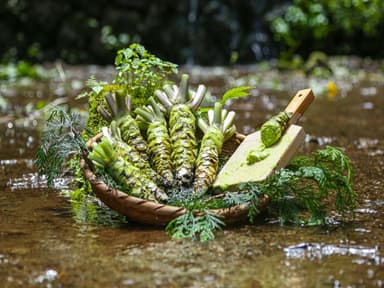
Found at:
<point>219,128</point>
<point>182,125</point>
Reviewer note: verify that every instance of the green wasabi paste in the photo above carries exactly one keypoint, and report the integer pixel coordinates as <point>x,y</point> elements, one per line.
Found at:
<point>257,155</point>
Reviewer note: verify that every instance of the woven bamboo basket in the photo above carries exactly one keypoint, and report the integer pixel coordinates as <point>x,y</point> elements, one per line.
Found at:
<point>149,212</point>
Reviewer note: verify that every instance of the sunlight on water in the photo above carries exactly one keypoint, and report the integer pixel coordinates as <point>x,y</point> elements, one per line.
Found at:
<point>34,181</point>
<point>48,276</point>
<point>27,162</point>
<point>319,140</point>
<point>319,251</point>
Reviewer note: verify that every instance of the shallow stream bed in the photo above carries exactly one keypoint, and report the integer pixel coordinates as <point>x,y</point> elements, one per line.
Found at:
<point>43,243</point>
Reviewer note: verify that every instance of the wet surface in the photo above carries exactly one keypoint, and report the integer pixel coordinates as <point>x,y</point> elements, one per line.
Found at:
<point>43,244</point>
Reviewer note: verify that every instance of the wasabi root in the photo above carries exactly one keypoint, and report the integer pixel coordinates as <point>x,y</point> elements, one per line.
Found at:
<point>182,125</point>
<point>272,130</point>
<point>158,139</point>
<point>219,129</point>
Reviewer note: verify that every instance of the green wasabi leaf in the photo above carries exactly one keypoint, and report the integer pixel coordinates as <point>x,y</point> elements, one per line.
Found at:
<point>235,93</point>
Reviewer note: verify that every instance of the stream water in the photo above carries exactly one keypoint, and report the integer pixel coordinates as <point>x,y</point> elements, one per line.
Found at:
<point>43,244</point>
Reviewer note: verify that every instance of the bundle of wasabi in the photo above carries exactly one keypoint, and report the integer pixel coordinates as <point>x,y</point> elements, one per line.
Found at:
<point>120,107</point>
<point>126,151</point>
<point>124,173</point>
<point>219,128</point>
<point>182,123</point>
<point>152,119</point>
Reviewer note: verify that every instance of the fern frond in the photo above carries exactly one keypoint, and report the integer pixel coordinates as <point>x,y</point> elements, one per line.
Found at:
<point>311,183</point>
<point>60,140</point>
<point>200,227</point>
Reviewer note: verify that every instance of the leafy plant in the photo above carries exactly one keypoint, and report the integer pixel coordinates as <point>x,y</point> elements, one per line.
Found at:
<point>333,26</point>
<point>249,195</point>
<point>312,183</point>
<point>199,222</point>
<point>141,73</point>
<point>13,72</point>
<point>61,139</point>
<point>194,226</point>
<point>302,193</point>
<point>138,74</point>
<point>235,93</point>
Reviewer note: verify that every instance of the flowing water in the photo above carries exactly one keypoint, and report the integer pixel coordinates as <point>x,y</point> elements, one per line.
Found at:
<point>43,243</point>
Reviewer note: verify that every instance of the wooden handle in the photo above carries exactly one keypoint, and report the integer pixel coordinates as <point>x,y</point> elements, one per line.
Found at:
<point>299,103</point>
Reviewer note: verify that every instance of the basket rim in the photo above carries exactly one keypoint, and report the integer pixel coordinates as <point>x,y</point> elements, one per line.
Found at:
<point>162,213</point>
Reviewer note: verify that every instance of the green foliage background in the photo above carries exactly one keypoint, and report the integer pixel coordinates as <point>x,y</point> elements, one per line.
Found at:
<point>212,32</point>
<point>331,26</point>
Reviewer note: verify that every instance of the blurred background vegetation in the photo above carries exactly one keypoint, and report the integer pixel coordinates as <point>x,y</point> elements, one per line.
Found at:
<point>210,32</point>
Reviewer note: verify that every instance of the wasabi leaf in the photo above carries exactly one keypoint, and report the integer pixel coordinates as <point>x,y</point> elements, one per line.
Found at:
<point>235,93</point>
